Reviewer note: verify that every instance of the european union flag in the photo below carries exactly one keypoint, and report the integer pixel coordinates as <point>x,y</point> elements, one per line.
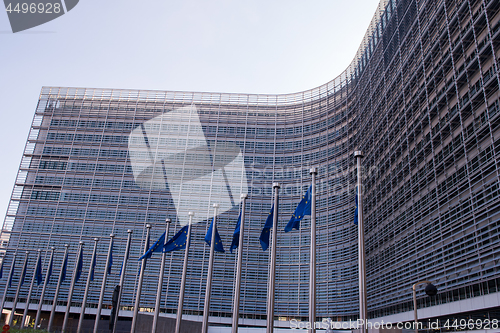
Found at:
<point>24,274</point>
<point>148,245</point>
<point>178,242</point>
<point>79,266</point>
<point>110,257</point>
<point>356,209</point>
<point>92,267</point>
<point>12,272</point>
<point>50,270</point>
<point>38,271</point>
<point>65,266</point>
<point>218,242</point>
<point>157,247</point>
<point>303,209</point>
<point>236,235</point>
<point>264,235</point>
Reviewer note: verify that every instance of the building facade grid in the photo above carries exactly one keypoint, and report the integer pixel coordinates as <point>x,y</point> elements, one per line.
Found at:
<point>420,99</point>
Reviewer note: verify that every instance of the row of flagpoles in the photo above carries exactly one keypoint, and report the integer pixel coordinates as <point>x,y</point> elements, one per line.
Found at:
<point>181,240</point>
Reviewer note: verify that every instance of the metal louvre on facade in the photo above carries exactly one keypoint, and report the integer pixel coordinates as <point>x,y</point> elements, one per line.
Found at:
<point>420,100</point>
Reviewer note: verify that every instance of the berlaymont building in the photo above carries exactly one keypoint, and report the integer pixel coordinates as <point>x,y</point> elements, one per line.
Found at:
<point>420,100</point>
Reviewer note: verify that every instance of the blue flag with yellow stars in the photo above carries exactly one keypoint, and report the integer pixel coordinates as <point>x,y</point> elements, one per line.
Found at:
<point>218,242</point>
<point>50,271</point>
<point>178,242</point>
<point>264,235</point>
<point>79,266</point>
<point>157,247</point>
<point>38,271</point>
<point>356,209</point>
<point>110,257</point>
<point>65,266</point>
<point>303,209</point>
<point>23,276</point>
<point>236,235</point>
<point>92,267</point>
<point>12,272</point>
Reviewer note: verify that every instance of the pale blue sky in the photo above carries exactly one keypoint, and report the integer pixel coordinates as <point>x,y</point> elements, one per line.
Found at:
<point>213,45</point>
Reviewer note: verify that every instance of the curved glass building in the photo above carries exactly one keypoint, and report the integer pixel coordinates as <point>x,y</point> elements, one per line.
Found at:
<point>420,99</point>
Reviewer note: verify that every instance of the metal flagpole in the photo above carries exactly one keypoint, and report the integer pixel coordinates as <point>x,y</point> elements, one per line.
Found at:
<point>183,281</point>
<point>141,278</point>
<point>28,299</point>
<point>71,288</point>
<point>312,274</point>
<point>272,273</point>
<point>160,280</point>
<point>7,284</point>
<point>45,282</point>
<point>122,278</point>
<point>56,295</point>
<point>236,304</point>
<point>361,247</point>
<point>208,289</point>
<point>14,303</point>
<point>87,286</point>
<point>103,286</point>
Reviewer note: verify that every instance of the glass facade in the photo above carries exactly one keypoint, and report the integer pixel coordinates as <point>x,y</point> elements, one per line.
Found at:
<point>420,100</point>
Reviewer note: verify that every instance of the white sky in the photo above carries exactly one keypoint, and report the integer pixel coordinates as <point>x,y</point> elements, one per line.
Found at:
<point>272,46</point>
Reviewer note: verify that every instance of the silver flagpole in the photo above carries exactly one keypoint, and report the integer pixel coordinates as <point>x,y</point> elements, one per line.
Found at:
<point>361,247</point>
<point>14,303</point>
<point>141,278</point>
<point>87,286</point>
<point>208,289</point>
<point>71,288</point>
<point>312,274</point>
<point>122,278</point>
<point>28,299</point>
<point>160,280</point>
<point>272,273</point>
<point>40,304</point>
<point>236,304</point>
<point>103,286</point>
<point>7,284</point>
<point>56,295</point>
<point>183,281</point>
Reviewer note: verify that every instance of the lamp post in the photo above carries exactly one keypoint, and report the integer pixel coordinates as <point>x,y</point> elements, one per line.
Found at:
<point>430,290</point>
